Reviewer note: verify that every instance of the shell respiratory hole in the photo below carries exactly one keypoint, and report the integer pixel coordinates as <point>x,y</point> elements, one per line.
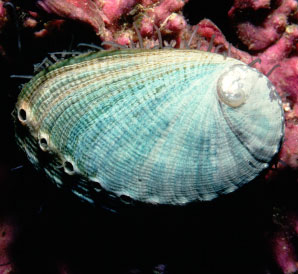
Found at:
<point>22,115</point>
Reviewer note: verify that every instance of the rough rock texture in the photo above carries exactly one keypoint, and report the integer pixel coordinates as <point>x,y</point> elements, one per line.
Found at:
<point>263,29</point>
<point>109,19</point>
<point>272,23</point>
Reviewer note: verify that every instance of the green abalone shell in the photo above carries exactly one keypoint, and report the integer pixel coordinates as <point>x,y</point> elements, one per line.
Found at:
<point>156,126</point>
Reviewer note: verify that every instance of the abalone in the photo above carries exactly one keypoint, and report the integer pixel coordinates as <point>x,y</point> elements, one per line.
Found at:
<point>162,126</point>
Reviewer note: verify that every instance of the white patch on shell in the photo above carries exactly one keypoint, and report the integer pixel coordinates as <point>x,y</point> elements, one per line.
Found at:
<point>153,200</point>
<point>183,200</point>
<point>236,84</point>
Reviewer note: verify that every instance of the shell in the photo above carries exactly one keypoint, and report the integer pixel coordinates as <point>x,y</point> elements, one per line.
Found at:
<point>162,126</point>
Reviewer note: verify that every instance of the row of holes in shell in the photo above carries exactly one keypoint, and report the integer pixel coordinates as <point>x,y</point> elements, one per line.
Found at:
<point>43,143</point>
<point>67,165</point>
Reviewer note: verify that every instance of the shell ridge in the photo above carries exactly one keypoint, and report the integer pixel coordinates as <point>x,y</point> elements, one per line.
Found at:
<point>112,98</point>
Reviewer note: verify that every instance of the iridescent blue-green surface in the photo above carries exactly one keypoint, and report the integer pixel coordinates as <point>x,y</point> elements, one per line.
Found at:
<point>150,125</point>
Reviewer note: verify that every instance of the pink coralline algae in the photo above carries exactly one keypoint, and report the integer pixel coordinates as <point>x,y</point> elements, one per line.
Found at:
<point>3,15</point>
<point>86,11</point>
<point>288,261</point>
<point>282,241</point>
<point>8,233</point>
<point>105,17</point>
<point>260,36</point>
